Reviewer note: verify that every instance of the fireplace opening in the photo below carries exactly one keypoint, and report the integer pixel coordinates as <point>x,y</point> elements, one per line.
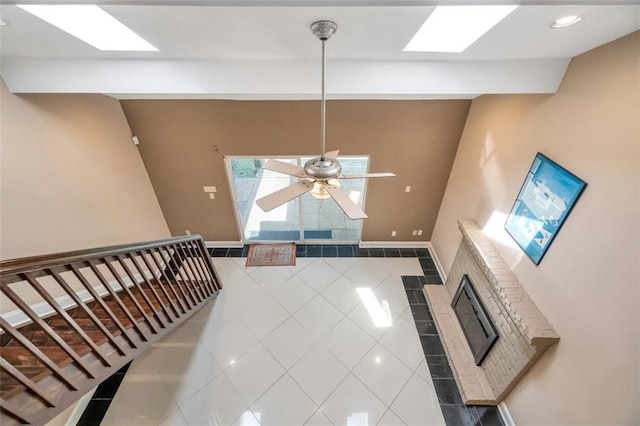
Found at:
<point>478,328</point>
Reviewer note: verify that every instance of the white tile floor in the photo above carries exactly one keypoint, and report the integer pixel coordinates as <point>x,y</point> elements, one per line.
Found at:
<point>289,346</point>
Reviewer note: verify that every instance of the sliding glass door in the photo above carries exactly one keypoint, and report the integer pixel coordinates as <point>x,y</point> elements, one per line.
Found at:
<point>303,219</point>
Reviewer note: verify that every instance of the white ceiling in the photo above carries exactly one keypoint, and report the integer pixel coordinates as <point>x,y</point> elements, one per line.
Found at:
<point>268,52</point>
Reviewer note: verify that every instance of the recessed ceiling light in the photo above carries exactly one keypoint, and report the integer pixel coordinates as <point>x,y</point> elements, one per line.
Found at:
<point>90,24</point>
<point>2,23</point>
<point>454,28</point>
<point>567,21</point>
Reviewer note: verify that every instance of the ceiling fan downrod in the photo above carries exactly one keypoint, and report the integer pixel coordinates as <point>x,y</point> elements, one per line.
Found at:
<point>323,30</point>
<point>320,176</point>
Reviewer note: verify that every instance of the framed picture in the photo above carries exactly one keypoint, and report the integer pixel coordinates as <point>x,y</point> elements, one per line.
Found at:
<point>545,200</point>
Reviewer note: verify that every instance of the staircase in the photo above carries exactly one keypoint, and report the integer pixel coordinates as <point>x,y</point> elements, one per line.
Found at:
<point>71,320</point>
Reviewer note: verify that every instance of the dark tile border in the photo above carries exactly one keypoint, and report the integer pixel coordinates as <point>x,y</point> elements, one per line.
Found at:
<point>330,251</point>
<point>347,250</point>
<point>439,367</point>
<point>416,297</point>
<point>392,252</point>
<point>101,398</point>
<point>314,250</point>
<point>363,252</point>
<point>408,252</point>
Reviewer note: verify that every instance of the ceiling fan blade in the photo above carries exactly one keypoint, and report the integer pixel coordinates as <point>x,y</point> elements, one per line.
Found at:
<point>345,203</point>
<point>286,168</point>
<point>278,198</point>
<point>366,175</point>
<point>332,154</point>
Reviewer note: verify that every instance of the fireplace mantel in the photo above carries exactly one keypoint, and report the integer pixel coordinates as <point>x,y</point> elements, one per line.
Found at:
<point>525,334</point>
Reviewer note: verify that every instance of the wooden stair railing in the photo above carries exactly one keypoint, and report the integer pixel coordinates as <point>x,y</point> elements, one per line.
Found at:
<point>80,316</point>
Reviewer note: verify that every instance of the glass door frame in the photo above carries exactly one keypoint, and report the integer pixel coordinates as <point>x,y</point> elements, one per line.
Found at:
<point>298,159</point>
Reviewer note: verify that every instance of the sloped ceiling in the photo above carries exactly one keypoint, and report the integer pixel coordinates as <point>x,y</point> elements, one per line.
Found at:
<point>265,50</point>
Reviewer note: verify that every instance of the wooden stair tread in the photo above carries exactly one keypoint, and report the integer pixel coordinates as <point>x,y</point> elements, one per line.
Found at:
<point>14,353</point>
<point>29,365</point>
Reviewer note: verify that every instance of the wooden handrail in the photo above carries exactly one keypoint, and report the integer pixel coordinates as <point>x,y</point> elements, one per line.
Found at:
<point>96,310</point>
<point>25,264</point>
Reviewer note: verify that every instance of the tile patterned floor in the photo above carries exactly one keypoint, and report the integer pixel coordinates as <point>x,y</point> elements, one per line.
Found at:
<point>298,346</point>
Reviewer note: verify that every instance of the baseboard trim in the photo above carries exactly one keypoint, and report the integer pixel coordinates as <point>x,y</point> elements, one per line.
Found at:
<point>394,244</point>
<point>436,260</point>
<point>506,414</point>
<point>223,244</point>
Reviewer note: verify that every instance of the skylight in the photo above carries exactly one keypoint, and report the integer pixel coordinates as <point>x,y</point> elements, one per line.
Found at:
<point>90,24</point>
<point>454,28</point>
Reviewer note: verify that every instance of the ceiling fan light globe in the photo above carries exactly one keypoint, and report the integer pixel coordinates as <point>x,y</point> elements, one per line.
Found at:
<point>319,190</point>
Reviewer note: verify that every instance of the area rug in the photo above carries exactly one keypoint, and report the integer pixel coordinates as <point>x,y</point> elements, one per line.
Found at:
<point>283,254</point>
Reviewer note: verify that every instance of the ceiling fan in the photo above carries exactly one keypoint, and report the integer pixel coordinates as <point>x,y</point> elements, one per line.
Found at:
<point>320,175</point>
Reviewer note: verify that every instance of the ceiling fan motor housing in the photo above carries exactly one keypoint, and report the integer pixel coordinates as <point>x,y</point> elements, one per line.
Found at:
<point>320,168</point>
<point>324,29</point>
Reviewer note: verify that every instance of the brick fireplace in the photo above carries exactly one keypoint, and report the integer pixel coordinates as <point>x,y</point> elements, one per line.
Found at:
<point>524,333</point>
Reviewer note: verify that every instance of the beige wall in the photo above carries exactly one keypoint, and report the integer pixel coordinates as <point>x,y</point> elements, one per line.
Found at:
<point>70,177</point>
<point>588,284</point>
<point>415,139</point>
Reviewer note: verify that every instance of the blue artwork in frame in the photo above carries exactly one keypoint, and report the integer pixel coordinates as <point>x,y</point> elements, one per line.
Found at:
<point>545,200</point>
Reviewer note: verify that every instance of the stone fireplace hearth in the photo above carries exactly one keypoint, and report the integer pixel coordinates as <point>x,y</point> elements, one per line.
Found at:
<point>525,334</point>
